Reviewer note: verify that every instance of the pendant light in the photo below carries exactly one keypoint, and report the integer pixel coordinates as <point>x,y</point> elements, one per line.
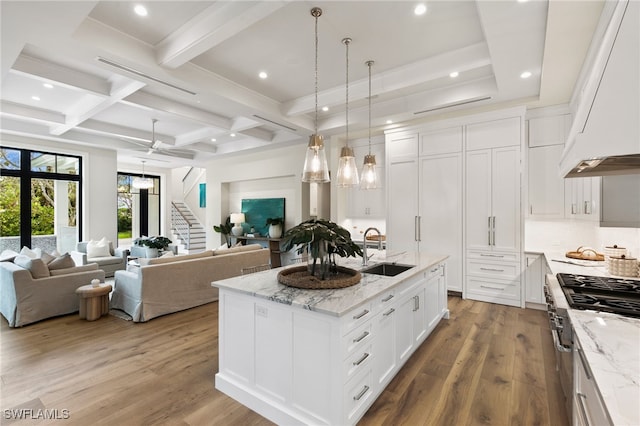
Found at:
<point>316,169</point>
<point>369,176</point>
<point>142,182</point>
<point>347,170</point>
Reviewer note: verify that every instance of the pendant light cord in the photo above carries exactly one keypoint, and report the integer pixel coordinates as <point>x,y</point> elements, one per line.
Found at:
<point>316,12</point>
<point>346,42</point>
<point>369,63</point>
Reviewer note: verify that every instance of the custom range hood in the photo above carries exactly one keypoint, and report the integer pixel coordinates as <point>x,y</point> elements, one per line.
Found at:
<point>605,135</point>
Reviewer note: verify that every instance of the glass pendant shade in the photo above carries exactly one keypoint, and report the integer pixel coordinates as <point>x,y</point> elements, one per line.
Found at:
<point>369,177</point>
<point>315,168</point>
<point>347,169</point>
<point>142,183</point>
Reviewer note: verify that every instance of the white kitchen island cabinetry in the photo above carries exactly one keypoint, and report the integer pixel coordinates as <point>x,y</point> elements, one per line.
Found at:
<point>323,356</point>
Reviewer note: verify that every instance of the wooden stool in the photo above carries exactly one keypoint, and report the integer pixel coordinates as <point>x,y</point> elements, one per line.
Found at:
<point>94,301</point>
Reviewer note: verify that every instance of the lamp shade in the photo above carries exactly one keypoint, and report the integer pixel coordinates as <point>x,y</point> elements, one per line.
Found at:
<point>347,169</point>
<point>315,169</point>
<point>369,177</point>
<point>237,218</point>
<point>142,183</point>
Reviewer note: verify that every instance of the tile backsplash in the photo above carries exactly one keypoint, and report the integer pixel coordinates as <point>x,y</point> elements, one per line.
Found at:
<point>565,235</point>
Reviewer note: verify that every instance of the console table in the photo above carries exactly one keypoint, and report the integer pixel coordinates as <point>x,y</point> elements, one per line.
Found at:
<point>273,244</point>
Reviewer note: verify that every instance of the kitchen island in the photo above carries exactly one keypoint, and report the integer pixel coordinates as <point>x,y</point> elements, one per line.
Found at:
<point>323,356</point>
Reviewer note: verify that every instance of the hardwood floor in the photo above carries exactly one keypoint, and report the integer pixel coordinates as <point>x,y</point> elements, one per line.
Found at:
<point>487,364</point>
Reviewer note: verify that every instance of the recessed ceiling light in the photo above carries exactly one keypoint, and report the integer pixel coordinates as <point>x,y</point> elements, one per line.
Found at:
<point>213,139</point>
<point>233,135</point>
<point>35,98</point>
<point>454,74</point>
<point>262,75</point>
<point>325,108</point>
<point>48,85</point>
<point>389,121</point>
<point>140,10</point>
<point>420,9</point>
<point>525,74</point>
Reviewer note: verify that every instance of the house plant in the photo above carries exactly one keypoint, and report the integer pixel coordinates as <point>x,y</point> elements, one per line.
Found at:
<point>275,226</point>
<point>153,244</point>
<point>323,240</point>
<point>225,230</point>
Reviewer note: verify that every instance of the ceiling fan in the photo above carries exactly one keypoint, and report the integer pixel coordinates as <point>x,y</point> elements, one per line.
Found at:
<point>155,146</point>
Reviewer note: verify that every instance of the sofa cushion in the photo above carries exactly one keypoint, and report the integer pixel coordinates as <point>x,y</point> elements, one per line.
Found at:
<point>161,260</point>
<point>238,249</point>
<point>37,267</point>
<point>105,260</point>
<point>75,269</point>
<point>61,262</point>
<point>98,248</point>
<point>8,255</point>
<point>35,253</point>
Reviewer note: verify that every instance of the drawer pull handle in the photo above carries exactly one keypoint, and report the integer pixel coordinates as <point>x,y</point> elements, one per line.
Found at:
<point>492,288</point>
<point>585,366</point>
<point>389,312</point>
<point>492,269</point>
<point>416,303</point>
<point>362,336</point>
<point>364,390</point>
<point>389,297</point>
<point>491,255</point>
<point>361,360</point>
<point>581,398</point>
<point>361,314</point>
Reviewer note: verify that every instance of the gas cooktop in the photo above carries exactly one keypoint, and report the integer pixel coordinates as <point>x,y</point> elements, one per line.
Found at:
<point>607,294</point>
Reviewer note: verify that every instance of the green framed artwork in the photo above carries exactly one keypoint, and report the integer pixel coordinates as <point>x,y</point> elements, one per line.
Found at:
<point>203,195</point>
<point>258,210</point>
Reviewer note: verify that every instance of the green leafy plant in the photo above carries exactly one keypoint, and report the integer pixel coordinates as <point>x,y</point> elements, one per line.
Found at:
<point>225,230</point>
<point>275,221</point>
<point>153,242</point>
<point>321,237</point>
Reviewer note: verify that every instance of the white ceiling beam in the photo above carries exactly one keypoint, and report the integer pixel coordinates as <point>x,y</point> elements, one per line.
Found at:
<point>28,113</point>
<point>118,131</point>
<point>216,24</point>
<point>204,147</point>
<point>241,123</point>
<point>461,60</point>
<point>258,133</point>
<point>70,78</point>
<point>121,88</point>
<point>171,107</point>
<point>195,136</point>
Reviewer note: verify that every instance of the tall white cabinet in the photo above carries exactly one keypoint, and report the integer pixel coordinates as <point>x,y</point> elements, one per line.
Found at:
<point>455,188</point>
<point>425,195</point>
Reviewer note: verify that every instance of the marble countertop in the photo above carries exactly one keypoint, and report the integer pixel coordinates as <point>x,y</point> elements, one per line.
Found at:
<point>334,302</point>
<point>610,343</point>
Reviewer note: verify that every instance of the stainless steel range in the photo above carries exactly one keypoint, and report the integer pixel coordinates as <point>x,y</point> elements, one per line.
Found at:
<point>604,294</point>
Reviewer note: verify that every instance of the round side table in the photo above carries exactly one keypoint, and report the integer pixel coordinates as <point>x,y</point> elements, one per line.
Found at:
<point>94,301</point>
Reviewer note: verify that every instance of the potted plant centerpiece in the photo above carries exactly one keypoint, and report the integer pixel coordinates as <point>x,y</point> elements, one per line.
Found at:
<point>323,240</point>
<point>153,245</point>
<point>275,226</point>
<point>225,230</point>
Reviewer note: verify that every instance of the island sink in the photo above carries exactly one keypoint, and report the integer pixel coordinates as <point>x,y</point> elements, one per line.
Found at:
<point>387,269</point>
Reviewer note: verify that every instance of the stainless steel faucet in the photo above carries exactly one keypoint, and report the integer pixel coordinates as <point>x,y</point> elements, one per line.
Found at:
<point>365,258</point>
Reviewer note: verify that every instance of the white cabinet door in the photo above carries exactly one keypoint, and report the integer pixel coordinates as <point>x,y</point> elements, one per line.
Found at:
<point>368,203</point>
<point>551,130</point>
<point>582,200</point>
<point>384,346</point>
<point>441,211</point>
<point>505,199</point>
<point>478,205</point>
<point>402,206</point>
<point>546,186</point>
<point>534,278</point>
<point>404,329</point>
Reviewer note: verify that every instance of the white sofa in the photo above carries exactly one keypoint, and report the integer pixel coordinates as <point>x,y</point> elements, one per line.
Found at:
<point>25,300</point>
<point>117,259</point>
<point>165,285</point>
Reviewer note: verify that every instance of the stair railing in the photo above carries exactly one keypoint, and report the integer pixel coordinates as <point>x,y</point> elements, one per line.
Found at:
<point>181,224</point>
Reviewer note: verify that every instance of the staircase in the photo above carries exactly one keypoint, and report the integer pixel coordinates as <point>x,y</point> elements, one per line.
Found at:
<point>188,233</point>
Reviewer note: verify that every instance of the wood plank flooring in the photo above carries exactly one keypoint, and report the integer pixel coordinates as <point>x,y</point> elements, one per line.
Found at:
<point>488,364</point>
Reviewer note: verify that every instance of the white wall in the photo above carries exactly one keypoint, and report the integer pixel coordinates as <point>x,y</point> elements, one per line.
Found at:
<point>99,201</point>
<point>272,174</point>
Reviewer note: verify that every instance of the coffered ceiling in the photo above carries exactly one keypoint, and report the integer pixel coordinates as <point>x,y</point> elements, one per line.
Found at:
<point>194,65</point>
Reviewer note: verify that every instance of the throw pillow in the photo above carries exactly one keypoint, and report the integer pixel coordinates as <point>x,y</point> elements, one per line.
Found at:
<point>35,253</point>
<point>62,262</point>
<point>37,267</point>
<point>97,249</point>
<point>8,255</point>
<point>46,257</point>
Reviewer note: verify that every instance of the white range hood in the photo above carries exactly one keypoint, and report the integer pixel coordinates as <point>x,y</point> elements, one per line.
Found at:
<point>605,136</point>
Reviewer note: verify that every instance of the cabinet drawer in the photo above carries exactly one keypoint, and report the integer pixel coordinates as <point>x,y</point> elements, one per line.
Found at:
<point>358,361</point>
<point>356,317</point>
<point>358,338</point>
<point>506,270</point>
<point>357,395</point>
<point>493,288</point>
<point>384,300</point>
<point>494,256</point>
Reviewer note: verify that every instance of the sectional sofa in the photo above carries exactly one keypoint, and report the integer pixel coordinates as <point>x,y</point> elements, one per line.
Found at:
<point>164,285</point>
